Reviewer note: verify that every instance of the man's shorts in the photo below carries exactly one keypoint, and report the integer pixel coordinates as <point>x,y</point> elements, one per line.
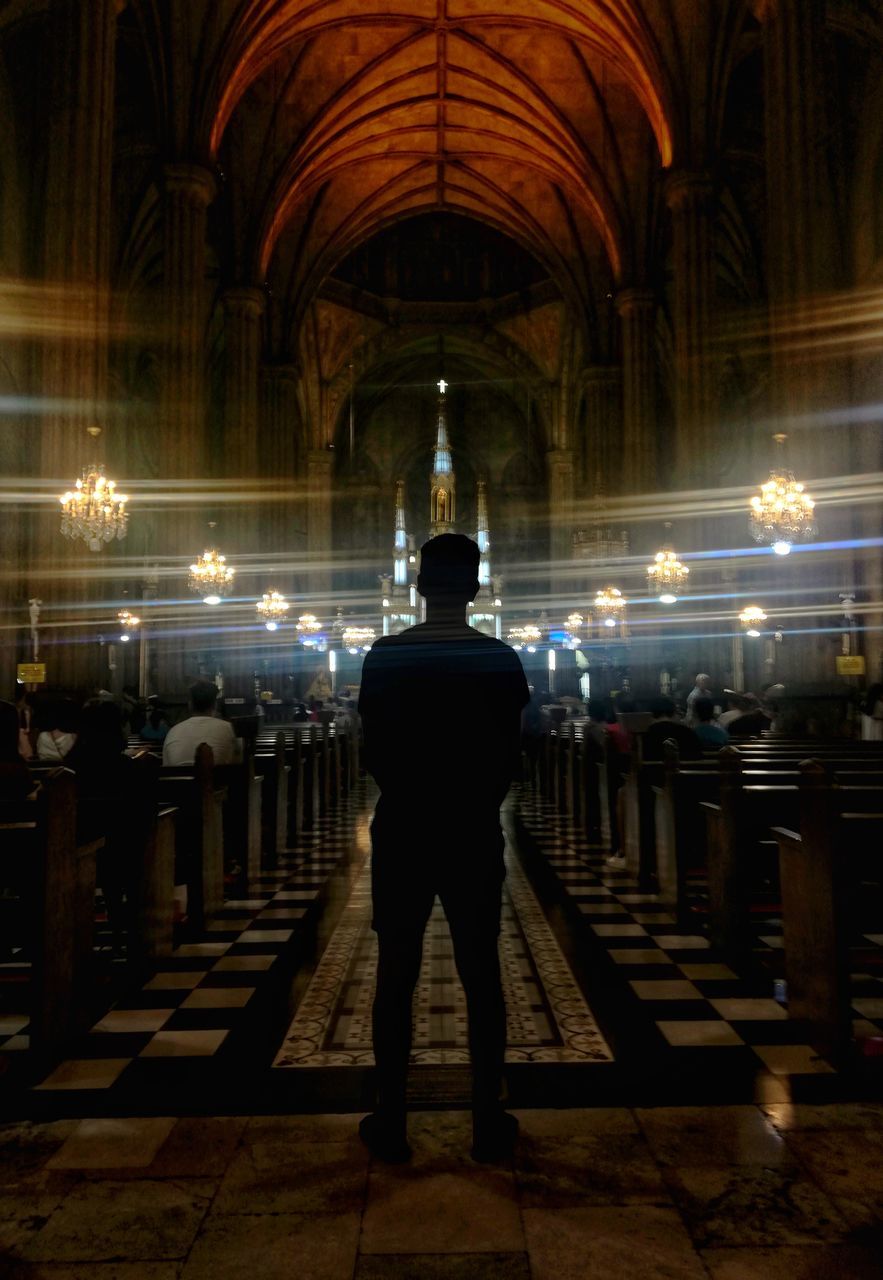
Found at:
<point>457,858</point>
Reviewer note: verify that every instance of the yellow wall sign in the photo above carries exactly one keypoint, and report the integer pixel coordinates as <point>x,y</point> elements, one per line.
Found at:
<point>32,672</point>
<point>851,666</point>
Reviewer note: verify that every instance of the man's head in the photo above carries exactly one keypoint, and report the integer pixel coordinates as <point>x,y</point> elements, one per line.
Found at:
<point>703,681</point>
<point>662,708</point>
<point>703,709</point>
<point>203,696</point>
<point>449,568</point>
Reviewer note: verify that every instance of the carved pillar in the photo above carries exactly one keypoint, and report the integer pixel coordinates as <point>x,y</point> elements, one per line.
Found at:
<point>799,256</point>
<point>320,471</point>
<point>602,386</point>
<point>637,313</point>
<point>284,525</point>
<point>242,341</point>
<point>690,198</point>
<point>187,191</point>
<point>561,494</point>
<point>76,261</point>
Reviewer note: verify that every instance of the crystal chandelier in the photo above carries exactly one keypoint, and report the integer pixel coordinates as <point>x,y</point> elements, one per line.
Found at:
<point>609,606</point>
<point>211,577</point>
<point>751,619</point>
<point>356,638</point>
<point>574,625</point>
<point>93,510</point>
<point>129,624</point>
<point>308,626</point>
<point>667,576</point>
<point>272,608</point>
<point>524,637</point>
<point>782,513</point>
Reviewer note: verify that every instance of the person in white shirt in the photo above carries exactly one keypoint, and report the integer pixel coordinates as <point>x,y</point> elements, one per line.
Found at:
<point>202,725</point>
<point>701,689</point>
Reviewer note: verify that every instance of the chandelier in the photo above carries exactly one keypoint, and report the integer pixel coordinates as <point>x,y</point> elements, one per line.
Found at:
<point>667,575</point>
<point>524,637</point>
<point>211,577</point>
<point>751,619</point>
<point>308,626</point>
<point>129,623</point>
<point>356,638</point>
<point>272,608</point>
<point>93,510</point>
<point>782,513</point>
<point>574,624</point>
<point>609,606</point>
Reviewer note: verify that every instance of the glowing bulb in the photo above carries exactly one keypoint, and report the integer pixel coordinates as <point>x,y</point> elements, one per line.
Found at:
<point>124,638</point>
<point>782,548</point>
<point>352,651</point>
<point>271,626</point>
<point>212,600</point>
<point>668,599</point>
<point>754,634</point>
<point>609,622</point>
<point>531,648</point>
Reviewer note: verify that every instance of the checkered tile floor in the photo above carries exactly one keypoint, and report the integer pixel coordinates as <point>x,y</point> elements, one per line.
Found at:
<point>696,1000</point>
<point>191,1008</point>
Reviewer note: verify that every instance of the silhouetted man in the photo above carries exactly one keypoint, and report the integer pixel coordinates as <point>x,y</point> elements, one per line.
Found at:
<point>441,707</point>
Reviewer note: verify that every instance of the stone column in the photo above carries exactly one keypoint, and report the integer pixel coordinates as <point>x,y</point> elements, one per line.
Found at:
<point>637,313</point>
<point>690,198</point>
<point>602,384</point>
<point>561,494</point>
<point>285,518</point>
<point>320,472</point>
<point>187,191</point>
<point>76,261</point>
<point>242,341</point>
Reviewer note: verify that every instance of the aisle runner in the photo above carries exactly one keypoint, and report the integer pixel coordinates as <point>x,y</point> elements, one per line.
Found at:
<point>548,1018</point>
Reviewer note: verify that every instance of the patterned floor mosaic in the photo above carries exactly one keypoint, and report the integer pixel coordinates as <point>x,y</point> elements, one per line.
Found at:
<point>548,1018</point>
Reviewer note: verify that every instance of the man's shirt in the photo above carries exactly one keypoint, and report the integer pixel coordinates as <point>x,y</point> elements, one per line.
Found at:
<point>441,710</point>
<point>182,740</point>
<point>712,735</point>
<point>689,746</point>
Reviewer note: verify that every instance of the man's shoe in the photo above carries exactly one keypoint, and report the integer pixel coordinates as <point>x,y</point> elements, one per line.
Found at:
<point>617,861</point>
<point>385,1140</point>
<point>493,1137</point>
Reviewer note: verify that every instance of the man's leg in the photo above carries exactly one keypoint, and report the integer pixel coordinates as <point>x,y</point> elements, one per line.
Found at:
<point>398,968</point>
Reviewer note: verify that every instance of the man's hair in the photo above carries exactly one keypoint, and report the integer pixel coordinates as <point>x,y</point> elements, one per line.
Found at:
<point>702,676</point>
<point>662,707</point>
<point>203,695</point>
<point>449,566</point>
<point>703,710</point>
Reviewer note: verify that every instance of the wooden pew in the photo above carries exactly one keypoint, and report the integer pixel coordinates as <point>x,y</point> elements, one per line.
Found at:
<point>242,812</point>
<point>199,828</point>
<point>274,798</point>
<point>740,840</point>
<point>821,870</point>
<point>39,838</point>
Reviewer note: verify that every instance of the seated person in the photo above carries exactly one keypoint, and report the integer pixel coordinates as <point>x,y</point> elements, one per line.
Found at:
<point>706,729</point>
<point>753,723</point>
<point>737,705</point>
<point>202,725</point>
<point>156,726</point>
<point>596,726</point>
<point>665,728</point>
<point>59,732</point>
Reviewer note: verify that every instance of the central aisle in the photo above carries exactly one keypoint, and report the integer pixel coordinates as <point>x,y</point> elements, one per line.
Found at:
<point>547,1016</point>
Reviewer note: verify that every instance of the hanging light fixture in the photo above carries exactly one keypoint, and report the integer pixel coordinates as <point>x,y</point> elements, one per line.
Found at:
<point>308,626</point>
<point>782,513</point>
<point>667,576</point>
<point>527,637</point>
<point>751,619</point>
<point>573,626</point>
<point>128,623</point>
<point>609,607</point>
<point>211,577</point>
<point>272,608</point>
<point>356,638</point>
<point>93,510</point>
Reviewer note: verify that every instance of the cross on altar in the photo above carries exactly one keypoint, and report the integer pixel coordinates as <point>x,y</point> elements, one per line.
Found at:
<point>442,386</point>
